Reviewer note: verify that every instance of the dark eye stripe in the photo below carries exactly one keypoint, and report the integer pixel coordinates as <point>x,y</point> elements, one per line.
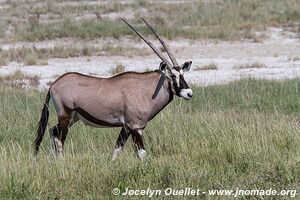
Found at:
<point>182,83</point>
<point>177,68</point>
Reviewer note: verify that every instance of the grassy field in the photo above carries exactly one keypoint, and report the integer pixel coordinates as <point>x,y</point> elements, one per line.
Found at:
<point>245,135</point>
<point>223,19</point>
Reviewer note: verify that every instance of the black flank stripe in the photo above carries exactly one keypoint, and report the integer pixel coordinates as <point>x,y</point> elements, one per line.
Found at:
<point>94,120</point>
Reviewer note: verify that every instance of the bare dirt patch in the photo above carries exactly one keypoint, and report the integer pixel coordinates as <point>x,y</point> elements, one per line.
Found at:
<point>277,57</point>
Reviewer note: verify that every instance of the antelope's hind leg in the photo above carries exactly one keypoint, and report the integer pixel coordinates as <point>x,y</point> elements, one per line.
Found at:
<point>123,136</point>
<point>54,134</point>
<point>59,133</point>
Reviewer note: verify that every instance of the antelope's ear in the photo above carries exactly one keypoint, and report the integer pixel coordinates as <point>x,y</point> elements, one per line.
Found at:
<point>187,66</point>
<point>162,67</point>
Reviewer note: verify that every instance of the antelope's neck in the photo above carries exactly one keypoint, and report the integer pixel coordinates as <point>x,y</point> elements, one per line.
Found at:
<point>168,87</point>
<point>162,96</point>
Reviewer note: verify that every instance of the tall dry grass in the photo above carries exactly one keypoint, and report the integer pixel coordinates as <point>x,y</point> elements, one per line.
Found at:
<point>244,134</point>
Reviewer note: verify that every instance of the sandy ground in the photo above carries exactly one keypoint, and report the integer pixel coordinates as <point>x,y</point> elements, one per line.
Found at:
<point>278,55</point>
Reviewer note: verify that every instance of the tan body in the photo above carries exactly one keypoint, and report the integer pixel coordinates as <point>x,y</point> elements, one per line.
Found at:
<point>126,100</point>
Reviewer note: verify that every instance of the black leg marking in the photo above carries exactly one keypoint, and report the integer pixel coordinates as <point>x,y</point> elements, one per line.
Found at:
<point>139,144</point>
<point>58,134</point>
<point>54,132</point>
<point>123,136</point>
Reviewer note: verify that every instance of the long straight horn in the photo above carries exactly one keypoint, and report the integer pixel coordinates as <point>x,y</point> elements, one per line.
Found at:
<point>160,55</point>
<point>172,57</point>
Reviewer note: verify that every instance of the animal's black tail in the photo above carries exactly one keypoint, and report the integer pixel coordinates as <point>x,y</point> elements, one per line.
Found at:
<point>42,124</point>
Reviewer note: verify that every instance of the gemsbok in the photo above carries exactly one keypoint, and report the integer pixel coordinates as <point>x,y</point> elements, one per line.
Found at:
<point>128,100</point>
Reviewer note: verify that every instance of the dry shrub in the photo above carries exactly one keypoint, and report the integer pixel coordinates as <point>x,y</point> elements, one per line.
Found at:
<point>19,80</point>
<point>211,66</point>
<point>118,69</point>
<point>250,65</point>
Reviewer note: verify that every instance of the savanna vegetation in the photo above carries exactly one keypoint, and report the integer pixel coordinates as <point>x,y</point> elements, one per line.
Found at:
<point>241,135</point>
<point>224,19</point>
<point>227,20</point>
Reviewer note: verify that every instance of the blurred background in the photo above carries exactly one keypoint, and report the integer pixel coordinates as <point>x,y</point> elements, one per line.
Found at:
<point>226,39</point>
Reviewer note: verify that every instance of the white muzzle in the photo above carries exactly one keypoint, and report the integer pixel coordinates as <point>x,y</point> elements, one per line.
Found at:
<point>186,94</point>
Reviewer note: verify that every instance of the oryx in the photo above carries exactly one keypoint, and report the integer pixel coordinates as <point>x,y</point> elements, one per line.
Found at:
<point>128,100</point>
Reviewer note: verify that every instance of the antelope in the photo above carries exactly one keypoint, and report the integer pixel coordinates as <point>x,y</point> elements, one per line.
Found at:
<point>128,100</point>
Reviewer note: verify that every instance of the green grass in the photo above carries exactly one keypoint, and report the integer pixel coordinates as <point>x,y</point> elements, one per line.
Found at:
<point>69,28</point>
<point>225,19</point>
<point>19,80</point>
<point>245,135</point>
<point>31,56</point>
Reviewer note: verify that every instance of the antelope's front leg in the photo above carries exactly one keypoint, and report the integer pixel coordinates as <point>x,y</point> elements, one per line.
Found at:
<point>139,144</point>
<point>123,136</point>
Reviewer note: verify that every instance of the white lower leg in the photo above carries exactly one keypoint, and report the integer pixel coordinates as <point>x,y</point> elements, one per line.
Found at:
<point>52,143</point>
<point>59,145</point>
<point>117,152</point>
<point>141,154</point>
